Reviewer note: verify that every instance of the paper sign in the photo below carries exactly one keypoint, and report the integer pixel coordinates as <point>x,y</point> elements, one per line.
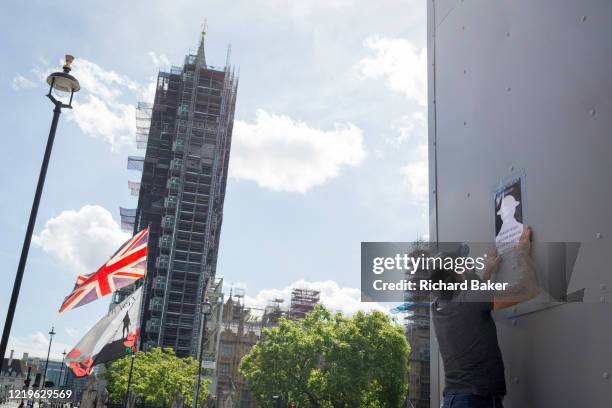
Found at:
<point>508,204</point>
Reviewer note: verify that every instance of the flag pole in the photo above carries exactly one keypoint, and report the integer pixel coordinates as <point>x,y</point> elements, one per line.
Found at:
<point>129,384</point>
<point>141,314</point>
<point>145,280</point>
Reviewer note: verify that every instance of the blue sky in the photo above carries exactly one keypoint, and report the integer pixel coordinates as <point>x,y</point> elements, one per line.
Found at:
<point>329,143</point>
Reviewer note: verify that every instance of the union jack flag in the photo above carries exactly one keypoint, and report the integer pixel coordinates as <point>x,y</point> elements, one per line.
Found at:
<point>127,265</point>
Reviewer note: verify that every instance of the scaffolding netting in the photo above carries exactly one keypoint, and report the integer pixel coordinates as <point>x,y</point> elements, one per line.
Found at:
<point>128,218</point>
<point>127,212</point>
<point>135,163</point>
<point>143,123</point>
<point>134,187</point>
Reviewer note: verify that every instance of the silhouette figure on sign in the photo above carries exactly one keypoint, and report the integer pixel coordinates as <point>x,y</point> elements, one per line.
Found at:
<point>126,325</point>
<point>510,229</point>
<point>506,212</point>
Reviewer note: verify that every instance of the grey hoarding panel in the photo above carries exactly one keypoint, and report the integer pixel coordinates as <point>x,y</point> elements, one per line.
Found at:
<point>527,85</point>
<point>557,357</point>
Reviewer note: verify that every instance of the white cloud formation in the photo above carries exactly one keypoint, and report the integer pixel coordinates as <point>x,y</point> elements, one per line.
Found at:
<point>413,128</point>
<point>282,154</point>
<point>113,123</point>
<point>416,174</point>
<point>399,63</point>
<point>98,111</point>
<point>105,84</point>
<point>161,61</point>
<point>20,82</point>
<point>333,296</point>
<point>410,126</point>
<point>82,240</point>
<point>36,345</point>
<point>106,105</point>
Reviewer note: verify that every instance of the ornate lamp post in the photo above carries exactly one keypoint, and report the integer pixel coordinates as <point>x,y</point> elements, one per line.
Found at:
<point>44,378</point>
<point>62,369</point>
<point>62,85</point>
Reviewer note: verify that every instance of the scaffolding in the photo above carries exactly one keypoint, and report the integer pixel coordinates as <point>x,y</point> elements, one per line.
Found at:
<point>128,218</point>
<point>135,163</point>
<point>302,302</point>
<point>273,312</point>
<point>417,325</point>
<point>187,136</point>
<point>134,187</point>
<point>144,115</point>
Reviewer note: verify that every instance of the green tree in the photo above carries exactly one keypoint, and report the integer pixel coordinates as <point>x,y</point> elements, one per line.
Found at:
<point>329,360</point>
<point>158,375</point>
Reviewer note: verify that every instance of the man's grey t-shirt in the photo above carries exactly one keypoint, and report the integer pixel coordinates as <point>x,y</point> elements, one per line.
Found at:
<point>467,338</point>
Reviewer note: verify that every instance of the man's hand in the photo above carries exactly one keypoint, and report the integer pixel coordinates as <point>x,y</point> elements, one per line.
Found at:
<point>491,264</point>
<point>524,245</point>
<point>527,286</point>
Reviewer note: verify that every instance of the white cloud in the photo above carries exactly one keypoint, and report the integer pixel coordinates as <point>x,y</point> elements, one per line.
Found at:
<point>104,83</point>
<point>40,73</point>
<point>114,123</point>
<point>415,174</point>
<point>411,126</point>
<point>399,63</point>
<point>36,345</point>
<point>403,68</point>
<point>161,61</point>
<point>408,184</point>
<point>20,82</point>
<point>333,296</point>
<point>281,154</point>
<point>98,111</point>
<point>106,105</point>
<point>82,240</point>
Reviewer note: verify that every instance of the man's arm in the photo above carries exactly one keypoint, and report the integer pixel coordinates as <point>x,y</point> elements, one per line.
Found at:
<point>526,287</point>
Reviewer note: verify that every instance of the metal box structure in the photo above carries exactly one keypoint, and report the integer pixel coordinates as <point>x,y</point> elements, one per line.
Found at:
<point>517,84</point>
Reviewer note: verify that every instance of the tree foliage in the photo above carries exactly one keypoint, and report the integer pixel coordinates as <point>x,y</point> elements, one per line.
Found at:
<point>328,360</point>
<point>158,375</point>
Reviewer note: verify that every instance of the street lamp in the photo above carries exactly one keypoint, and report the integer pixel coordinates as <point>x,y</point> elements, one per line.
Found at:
<point>62,369</point>
<point>206,308</point>
<point>62,85</point>
<point>51,334</point>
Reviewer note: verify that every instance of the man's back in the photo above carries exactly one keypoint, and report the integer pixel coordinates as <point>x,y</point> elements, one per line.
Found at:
<point>467,338</point>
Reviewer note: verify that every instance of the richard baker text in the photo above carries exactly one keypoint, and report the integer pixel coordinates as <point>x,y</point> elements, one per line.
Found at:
<point>427,285</point>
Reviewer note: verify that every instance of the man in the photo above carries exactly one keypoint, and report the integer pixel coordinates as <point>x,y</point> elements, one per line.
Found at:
<point>466,332</point>
<point>126,325</point>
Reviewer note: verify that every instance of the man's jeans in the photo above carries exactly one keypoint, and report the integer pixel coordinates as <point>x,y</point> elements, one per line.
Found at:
<point>471,401</point>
